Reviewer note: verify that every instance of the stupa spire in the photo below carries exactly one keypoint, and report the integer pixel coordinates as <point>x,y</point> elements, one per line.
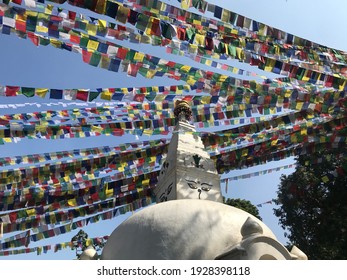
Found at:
<point>182,111</point>
<point>188,172</point>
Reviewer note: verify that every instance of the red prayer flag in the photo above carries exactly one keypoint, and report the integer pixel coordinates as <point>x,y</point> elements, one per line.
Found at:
<point>21,25</point>
<point>72,15</point>
<point>122,52</point>
<point>86,56</point>
<point>75,39</point>
<point>33,38</point>
<point>13,216</point>
<point>11,91</point>
<point>82,95</point>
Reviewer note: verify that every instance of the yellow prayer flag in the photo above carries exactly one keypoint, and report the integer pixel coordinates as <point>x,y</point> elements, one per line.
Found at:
<point>205,99</point>
<point>147,132</point>
<point>49,9</point>
<point>89,242</point>
<point>186,87</point>
<point>145,182</point>
<point>303,131</point>
<point>139,56</point>
<point>122,14</point>
<point>55,43</point>
<point>105,62</point>
<point>277,49</point>
<point>342,85</point>
<point>92,45</point>
<point>306,78</point>
<point>225,15</point>
<point>325,179</point>
<point>100,7</point>
<point>162,7</point>
<point>151,73</point>
<point>148,30</point>
<point>262,29</point>
<point>41,128</point>
<point>270,64</point>
<point>108,192</point>
<point>185,68</point>
<point>32,13</point>
<point>30,212</point>
<point>274,142</point>
<point>208,62</point>
<point>185,4</point>
<point>97,129</point>
<point>52,218</point>
<point>192,48</point>
<point>191,81</point>
<point>92,29</point>
<point>91,176</point>
<point>287,93</point>
<point>72,202</point>
<point>299,106</point>
<point>244,152</point>
<point>222,78</point>
<point>240,54</point>
<point>106,95</point>
<point>102,23</point>
<point>199,39</point>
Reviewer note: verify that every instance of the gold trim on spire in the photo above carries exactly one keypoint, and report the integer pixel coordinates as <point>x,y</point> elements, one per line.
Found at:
<point>182,111</point>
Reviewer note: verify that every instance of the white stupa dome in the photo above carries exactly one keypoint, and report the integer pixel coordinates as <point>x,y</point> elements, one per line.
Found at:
<point>179,229</point>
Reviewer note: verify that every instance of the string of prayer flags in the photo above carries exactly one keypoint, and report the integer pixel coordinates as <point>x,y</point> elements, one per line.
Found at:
<point>263,203</point>
<point>313,46</point>
<point>53,171</point>
<point>39,158</point>
<point>227,162</point>
<point>55,248</point>
<point>116,186</point>
<point>54,193</point>
<point>110,214</point>
<point>62,216</point>
<point>132,69</point>
<point>258,173</point>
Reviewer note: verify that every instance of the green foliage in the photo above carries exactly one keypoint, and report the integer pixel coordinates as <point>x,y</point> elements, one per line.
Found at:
<point>313,205</point>
<point>244,205</point>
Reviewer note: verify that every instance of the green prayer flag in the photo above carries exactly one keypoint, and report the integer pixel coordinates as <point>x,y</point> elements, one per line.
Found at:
<point>142,22</point>
<point>44,41</point>
<point>28,92</point>
<point>93,95</point>
<point>95,59</point>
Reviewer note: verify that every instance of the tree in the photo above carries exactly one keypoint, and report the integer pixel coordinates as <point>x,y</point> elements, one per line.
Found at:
<point>244,205</point>
<point>313,205</point>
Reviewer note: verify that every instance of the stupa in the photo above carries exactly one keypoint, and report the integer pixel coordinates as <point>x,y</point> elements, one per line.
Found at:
<point>189,220</point>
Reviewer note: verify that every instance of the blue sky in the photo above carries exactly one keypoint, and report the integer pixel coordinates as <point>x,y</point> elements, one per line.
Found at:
<point>23,64</point>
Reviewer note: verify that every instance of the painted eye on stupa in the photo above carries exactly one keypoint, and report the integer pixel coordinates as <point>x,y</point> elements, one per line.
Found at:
<point>192,184</point>
<point>206,187</point>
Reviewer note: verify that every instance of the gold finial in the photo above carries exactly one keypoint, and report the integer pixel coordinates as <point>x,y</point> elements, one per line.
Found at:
<point>182,111</point>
